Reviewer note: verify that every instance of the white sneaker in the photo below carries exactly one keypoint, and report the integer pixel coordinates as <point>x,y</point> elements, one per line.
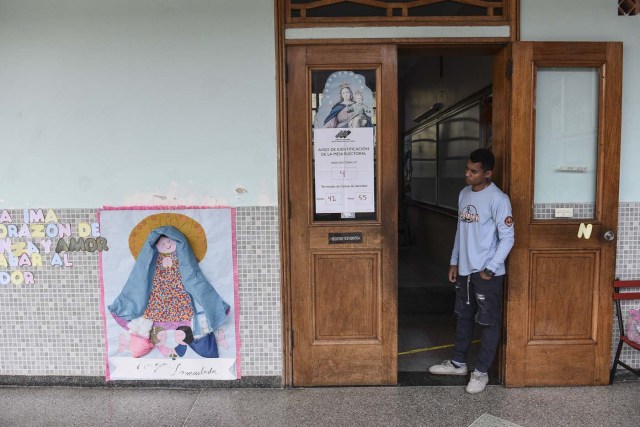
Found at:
<point>477,383</point>
<point>447,368</point>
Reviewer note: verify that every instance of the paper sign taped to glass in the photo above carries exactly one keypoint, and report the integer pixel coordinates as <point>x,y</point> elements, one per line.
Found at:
<point>169,294</point>
<point>344,170</point>
<point>343,146</point>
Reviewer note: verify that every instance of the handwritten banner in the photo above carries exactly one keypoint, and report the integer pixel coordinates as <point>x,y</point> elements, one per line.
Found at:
<point>167,369</point>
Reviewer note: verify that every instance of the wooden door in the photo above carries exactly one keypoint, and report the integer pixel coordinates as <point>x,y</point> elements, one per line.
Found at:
<point>343,265</point>
<point>563,169</point>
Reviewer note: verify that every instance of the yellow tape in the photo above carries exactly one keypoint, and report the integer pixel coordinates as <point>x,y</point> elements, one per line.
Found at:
<point>438,347</point>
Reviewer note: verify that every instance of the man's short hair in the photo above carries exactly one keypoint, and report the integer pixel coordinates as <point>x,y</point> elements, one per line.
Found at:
<point>484,157</point>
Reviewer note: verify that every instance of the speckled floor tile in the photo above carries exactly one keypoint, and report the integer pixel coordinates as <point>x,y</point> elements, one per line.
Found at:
<point>488,420</point>
<point>419,406</point>
<point>615,405</point>
<point>96,406</point>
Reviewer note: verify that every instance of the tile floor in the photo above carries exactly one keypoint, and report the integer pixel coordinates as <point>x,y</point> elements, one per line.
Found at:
<point>426,325</point>
<point>615,405</point>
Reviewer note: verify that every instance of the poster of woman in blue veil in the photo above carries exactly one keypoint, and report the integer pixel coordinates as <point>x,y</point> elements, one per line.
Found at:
<point>170,293</point>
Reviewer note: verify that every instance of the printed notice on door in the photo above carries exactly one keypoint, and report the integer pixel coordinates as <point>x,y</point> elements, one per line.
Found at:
<point>344,170</point>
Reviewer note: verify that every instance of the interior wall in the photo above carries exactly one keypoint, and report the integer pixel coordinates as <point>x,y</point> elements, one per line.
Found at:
<point>433,232</point>
<point>426,80</point>
<point>112,102</point>
<point>446,80</point>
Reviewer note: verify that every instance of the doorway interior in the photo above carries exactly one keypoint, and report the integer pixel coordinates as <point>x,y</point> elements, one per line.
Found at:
<point>444,113</point>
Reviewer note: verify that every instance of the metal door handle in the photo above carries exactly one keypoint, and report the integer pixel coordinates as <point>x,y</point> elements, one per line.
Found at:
<point>609,235</point>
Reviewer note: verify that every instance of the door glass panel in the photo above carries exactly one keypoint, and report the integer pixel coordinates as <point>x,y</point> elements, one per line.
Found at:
<point>343,106</point>
<point>458,135</point>
<point>566,143</point>
<point>424,164</point>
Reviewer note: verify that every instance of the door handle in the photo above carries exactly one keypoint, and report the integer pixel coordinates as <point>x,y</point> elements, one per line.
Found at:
<point>609,235</point>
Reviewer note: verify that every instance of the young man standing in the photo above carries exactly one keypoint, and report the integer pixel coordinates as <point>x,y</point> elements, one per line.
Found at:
<point>483,240</point>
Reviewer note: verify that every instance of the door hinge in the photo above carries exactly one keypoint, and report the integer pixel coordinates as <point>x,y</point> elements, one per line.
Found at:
<point>286,73</point>
<point>508,72</point>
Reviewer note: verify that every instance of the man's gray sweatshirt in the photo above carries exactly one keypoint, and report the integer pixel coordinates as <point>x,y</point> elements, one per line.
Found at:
<point>484,235</point>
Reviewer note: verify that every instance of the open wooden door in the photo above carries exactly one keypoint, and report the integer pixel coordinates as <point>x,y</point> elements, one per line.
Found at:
<point>562,173</point>
<point>342,161</point>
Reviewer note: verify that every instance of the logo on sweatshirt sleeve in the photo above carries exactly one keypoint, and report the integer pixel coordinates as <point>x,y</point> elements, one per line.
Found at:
<point>508,221</point>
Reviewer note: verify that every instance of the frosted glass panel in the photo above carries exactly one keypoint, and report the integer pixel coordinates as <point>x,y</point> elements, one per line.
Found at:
<point>566,143</point>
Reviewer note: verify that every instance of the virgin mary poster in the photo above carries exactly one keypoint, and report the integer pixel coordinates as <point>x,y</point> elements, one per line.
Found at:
<point>344,146</point>
<point>169,294</point>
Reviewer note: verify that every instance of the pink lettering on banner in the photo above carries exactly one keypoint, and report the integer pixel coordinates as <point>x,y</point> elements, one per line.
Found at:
<point>36,216</point>
<point>28,278</point>
<point>5,218</point>
<point>5,245</point>
<point>24,232</point>
<point>46,245</point>
<point>64,230</point>
<point>24,260</point>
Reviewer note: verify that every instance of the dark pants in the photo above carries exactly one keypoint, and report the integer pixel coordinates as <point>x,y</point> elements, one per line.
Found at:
<point>478,301</point>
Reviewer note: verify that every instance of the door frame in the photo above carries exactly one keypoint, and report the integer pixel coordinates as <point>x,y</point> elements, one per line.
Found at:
<point>491,45</point>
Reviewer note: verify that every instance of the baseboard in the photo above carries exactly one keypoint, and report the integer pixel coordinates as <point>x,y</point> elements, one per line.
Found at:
<point>89,381</point>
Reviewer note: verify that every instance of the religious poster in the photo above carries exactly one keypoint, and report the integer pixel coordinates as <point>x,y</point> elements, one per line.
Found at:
<point>169,294</point>
<point>343,146</point>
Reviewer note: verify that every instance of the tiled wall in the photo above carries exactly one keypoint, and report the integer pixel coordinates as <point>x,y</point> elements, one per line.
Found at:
<point>628,268</point>
<point>53,327</point>
<point>259,275</point>
<point>627,254</point>
<point>548,210</point>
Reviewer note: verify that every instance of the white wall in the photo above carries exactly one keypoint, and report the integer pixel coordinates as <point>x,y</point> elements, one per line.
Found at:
<point>597,20</point>
<point>110,102</point>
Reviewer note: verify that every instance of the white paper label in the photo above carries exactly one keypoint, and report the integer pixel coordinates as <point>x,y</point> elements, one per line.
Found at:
<point>344,170</point>
<point>564,212</point>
